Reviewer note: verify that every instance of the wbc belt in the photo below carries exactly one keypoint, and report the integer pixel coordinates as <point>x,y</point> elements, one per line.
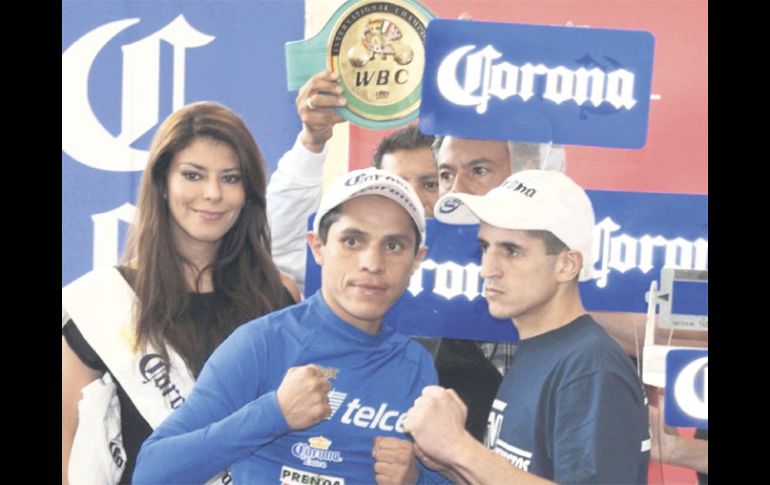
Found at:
<point>378,49</point>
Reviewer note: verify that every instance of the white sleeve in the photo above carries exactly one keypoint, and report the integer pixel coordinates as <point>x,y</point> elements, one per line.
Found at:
<point>553,157</point>
<point>294,193</point>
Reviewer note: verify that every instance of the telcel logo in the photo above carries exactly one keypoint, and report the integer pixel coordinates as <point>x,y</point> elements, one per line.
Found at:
<point>369,417</point>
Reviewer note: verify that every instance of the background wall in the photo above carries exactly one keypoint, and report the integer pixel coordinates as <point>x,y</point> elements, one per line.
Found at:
<point>127,64</point>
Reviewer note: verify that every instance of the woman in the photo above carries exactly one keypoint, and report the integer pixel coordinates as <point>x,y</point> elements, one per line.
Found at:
<point>198,261</point>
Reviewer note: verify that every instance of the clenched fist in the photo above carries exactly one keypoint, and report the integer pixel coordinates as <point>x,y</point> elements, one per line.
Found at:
<point>394,461</point>
<point>437,424</point>
<point>303,396</point>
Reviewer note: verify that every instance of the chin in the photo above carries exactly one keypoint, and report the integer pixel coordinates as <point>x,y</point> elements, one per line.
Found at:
<point>500,312</point>
<point>366,314</point>
<point>210,238</point>
<point>369,316</point>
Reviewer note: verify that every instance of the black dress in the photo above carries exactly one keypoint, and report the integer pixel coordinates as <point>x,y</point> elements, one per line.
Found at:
<point>461,366</point>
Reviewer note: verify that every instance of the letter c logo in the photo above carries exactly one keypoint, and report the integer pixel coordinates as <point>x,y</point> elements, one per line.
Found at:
<point>83,136</point>
<point>685,385</point>
<point>447,79</point>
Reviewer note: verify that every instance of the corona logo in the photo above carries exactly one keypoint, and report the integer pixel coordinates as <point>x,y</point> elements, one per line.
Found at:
<point>693,377</point>
<point>623,253</point>
<point>316,452</point>
<point>485,78</point>
<point>84,137</point>
<point>154,369</point>
<point>619,252</point>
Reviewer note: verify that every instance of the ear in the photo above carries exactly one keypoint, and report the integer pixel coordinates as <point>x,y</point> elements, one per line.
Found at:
<point>418,258</point>
<point>316,247</point>
<point>568,266</point>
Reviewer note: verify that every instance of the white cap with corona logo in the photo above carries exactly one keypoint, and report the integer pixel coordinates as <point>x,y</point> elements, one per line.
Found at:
<point>530,200</point>
<point>373,181</point>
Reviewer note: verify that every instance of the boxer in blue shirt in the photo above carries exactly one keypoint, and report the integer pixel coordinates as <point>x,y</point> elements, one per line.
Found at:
<point>316,393</point>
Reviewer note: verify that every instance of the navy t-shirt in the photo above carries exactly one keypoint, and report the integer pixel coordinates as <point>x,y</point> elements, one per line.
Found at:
<point>571,409</point>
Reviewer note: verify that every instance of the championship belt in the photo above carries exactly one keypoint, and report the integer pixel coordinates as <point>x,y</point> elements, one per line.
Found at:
<point>378,49</point>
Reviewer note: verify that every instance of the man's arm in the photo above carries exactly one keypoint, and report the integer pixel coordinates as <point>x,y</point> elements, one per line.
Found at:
<point>221,423</point>
<point>668,447</point>
<point>294,191</point>
<point>627,329</point>
<point>685,452</point>
<point>437,424</point>
<point>293,194</point>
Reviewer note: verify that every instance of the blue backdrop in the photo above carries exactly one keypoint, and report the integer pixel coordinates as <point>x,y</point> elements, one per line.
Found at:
<point>635,236</point>
<point>126,66</point>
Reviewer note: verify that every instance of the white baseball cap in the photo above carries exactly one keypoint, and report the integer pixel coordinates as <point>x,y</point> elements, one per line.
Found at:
<point>530,200</point>
<point>373,181</point>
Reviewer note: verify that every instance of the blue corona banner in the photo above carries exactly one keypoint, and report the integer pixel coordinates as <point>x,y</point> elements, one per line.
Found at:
<point>126,66</point>
<point>687,388</point>
<point>444,296</point>
<point>537,83</point>
<point>635,236</point>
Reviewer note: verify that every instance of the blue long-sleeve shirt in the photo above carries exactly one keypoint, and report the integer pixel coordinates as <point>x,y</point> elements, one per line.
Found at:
<point>232,418</point>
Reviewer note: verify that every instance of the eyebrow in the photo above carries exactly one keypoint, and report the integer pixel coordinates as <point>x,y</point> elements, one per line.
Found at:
<point>399,238</point>
<point>479,161</point>
<point>472,163</point>
<point>204,169</point>
<point>352,231</point>
<point>509,245</point>
<point>502,244</point>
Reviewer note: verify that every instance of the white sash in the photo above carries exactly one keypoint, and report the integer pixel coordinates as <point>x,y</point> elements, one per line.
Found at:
<point>101,305</point>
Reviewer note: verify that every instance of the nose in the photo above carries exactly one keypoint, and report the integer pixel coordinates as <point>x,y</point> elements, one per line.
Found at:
<point>460,185</point>
<point>428,207</point>
<point>213,190</point>
<point>489,270</point>
<point>372,260</point>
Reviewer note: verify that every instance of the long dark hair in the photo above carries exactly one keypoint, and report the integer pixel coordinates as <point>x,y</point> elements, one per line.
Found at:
<point>246,281</point>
